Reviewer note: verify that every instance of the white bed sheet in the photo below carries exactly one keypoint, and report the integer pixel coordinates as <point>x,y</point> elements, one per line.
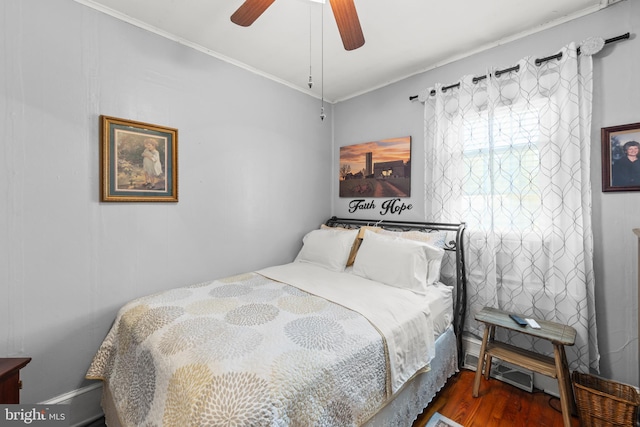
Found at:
<point>401,316</point>
<point>439,298</point>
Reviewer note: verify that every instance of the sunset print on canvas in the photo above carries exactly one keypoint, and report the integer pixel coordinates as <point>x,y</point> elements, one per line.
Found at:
<point>376,169</point>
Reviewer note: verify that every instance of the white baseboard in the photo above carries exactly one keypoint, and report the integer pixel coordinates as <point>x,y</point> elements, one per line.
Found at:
<point>471,344</point>
<point>84,404</point>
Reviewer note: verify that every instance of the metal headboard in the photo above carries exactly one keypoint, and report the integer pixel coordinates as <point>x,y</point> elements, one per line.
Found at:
<point>455,245</point>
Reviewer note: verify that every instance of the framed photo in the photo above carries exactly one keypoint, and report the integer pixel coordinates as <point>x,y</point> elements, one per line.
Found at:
<point>376,169</point>
<point>621,158</point>
<point>138,161</point>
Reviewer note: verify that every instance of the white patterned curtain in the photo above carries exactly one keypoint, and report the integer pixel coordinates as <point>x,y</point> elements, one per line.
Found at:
<point>509,155</point>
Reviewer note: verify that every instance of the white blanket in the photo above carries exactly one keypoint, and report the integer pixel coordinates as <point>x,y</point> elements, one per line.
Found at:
<point>402,317</point>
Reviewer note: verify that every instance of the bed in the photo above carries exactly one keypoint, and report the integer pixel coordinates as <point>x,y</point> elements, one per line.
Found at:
<point>361,329</point>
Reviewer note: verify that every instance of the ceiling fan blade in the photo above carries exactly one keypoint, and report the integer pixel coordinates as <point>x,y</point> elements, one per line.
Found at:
<point>348,23</point>
<point>249,11</point>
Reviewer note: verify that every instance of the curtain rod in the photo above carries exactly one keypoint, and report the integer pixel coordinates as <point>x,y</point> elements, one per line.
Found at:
<point>538,62</point>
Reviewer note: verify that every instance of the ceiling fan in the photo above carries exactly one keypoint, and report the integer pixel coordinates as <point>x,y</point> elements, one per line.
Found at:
<point>343,10</point>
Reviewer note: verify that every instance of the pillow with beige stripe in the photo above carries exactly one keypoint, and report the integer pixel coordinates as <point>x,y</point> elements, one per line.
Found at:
<point>357,242</point>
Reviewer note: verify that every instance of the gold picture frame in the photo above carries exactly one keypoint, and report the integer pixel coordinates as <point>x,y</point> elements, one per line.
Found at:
<point>139,161</point>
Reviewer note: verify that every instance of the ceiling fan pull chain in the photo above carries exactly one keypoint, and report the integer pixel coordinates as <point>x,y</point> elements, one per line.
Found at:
<point>322,115</point>
<point>310,56</point>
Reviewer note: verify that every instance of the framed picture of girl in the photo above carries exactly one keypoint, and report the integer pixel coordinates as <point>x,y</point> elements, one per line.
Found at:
<point>621,158</point>
<point>139,161</point>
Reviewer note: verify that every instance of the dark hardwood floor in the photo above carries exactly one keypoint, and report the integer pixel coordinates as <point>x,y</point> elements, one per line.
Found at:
<point>499,404</point>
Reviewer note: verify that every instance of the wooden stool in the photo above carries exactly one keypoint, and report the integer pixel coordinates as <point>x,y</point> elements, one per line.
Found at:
<point>559,335</point>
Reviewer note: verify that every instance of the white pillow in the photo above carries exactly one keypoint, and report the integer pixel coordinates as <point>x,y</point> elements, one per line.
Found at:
<point>398,262</point>
<point>434,261</point>
<point>435,238</point>
<point>327,248</point>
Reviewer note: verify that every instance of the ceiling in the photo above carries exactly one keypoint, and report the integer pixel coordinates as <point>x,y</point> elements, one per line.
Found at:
<point>294,39</point>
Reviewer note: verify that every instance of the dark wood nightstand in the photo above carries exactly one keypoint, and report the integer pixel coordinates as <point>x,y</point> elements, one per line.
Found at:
<point>556,367</point>
<point>10,383</point>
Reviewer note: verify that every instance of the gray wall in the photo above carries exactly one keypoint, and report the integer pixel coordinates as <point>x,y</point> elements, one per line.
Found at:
<point>254,166</point>
<point>257,170</point>
<point>387,113</point>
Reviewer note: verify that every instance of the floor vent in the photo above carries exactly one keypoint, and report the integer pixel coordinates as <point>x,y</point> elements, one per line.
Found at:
<point>503,371</point>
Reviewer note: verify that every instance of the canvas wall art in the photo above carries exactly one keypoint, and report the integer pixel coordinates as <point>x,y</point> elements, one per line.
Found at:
<point>376,169</point>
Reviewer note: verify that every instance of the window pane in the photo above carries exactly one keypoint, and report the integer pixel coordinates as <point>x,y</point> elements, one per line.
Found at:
<point>501,168</point>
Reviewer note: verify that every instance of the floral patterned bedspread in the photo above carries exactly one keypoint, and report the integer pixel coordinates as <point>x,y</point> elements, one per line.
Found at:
<point>241,351</point>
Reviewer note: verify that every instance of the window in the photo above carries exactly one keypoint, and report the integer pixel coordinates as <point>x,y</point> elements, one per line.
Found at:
<point>500,176</point>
